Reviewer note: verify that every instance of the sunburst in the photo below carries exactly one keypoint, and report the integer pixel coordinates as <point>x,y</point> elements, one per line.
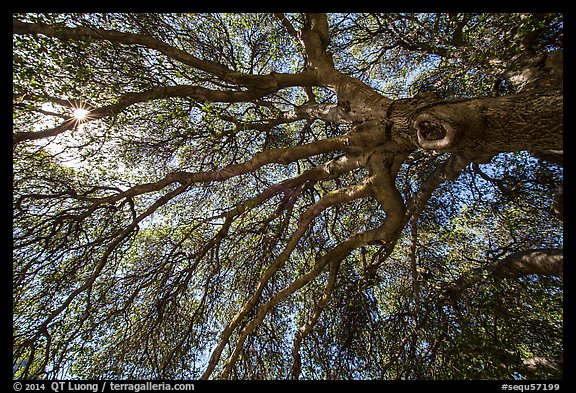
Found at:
<point>81,112</point>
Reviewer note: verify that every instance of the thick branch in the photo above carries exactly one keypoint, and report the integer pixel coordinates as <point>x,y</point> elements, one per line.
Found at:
<point>272,80</point>
<point>309,111</point>
<point>336,255</point>
<point>328,112</point>
<point>553,156</point>
<point>333,198</point>
<point>195,92</point>
<point>547,262</point>
<point>529,71</point>
<point>543,363</point>
<point>286,23</point>
<point>282,156</point>
<point>358,100</point>
<point>382,187</point>
<point>328,170</point>
<point>448,170</point>
<point>315,38</point>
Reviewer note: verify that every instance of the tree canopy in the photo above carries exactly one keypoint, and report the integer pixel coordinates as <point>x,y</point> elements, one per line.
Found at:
<point>276,196</point>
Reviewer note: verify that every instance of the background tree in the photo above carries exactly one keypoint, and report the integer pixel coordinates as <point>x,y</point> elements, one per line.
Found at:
<point>287,196</point>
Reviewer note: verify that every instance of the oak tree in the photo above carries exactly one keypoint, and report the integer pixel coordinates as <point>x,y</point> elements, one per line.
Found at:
<point>264,196</point>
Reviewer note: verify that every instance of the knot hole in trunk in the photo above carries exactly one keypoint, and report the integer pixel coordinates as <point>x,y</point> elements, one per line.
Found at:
<point>433,132</point>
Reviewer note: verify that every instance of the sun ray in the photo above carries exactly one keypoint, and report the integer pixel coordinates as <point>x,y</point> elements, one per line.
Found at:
<point>80,114</point>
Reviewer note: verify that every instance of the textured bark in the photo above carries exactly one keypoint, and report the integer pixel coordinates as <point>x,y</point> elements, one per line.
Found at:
<point>529,120</point>
<point>526,121</point>
<point>381,134</point>
<point>530,71</point>
<point>546,364</point>
<point>547,262</point>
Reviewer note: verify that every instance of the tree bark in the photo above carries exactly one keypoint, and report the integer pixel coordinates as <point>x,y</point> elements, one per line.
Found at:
<point>382,133</point>
<point>526,121</point>
<point>538,364</point>
<point>547,262</point>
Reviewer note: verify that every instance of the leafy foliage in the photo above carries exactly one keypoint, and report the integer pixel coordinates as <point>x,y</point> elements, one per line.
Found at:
<point>196,225</point>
